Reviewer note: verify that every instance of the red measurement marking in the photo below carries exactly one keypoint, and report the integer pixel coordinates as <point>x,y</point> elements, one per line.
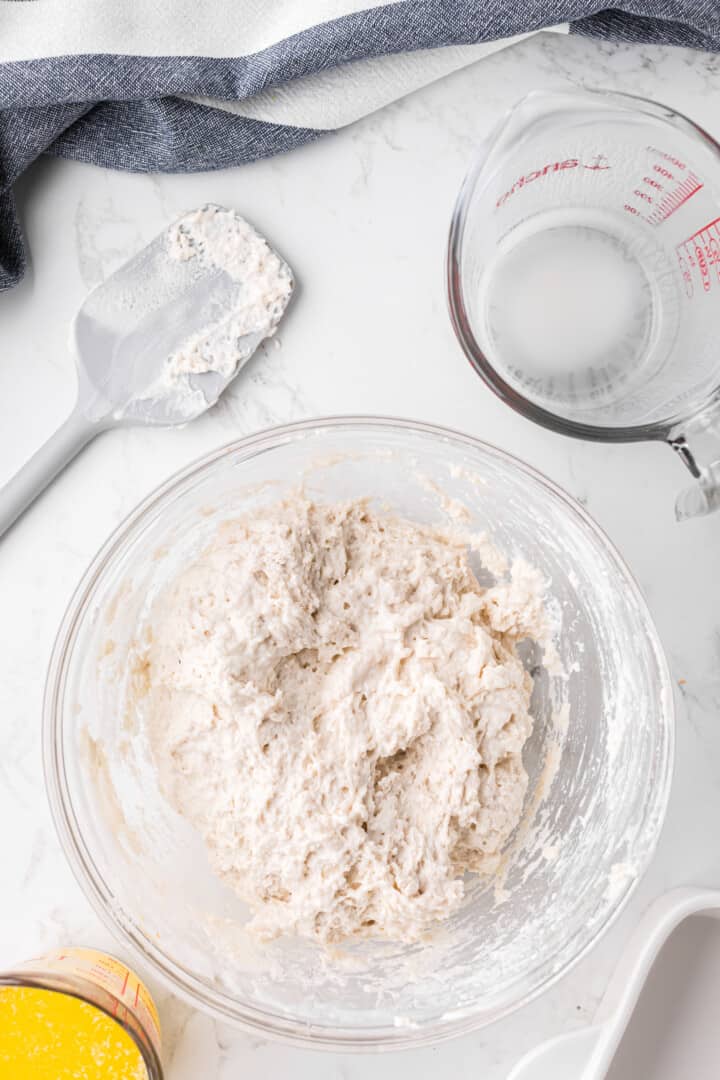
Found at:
<point>667,157</point>
<point>536,174</point>
<point>599,164</point>
<point>137,995</point>
<point>124,985</point>
<point>675,199</point>
<point>698,255</point>
<point>663,172</point>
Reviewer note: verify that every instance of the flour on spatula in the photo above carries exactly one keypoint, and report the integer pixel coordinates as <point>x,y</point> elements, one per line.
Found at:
<point>223,240</point>
<point>337,705</point>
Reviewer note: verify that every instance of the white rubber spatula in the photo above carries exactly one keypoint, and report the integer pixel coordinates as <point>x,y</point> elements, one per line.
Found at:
<point>159,341</point>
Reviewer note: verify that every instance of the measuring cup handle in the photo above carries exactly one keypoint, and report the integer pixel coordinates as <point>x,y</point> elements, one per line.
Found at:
<point>17,494</point>
<point>697,442</point>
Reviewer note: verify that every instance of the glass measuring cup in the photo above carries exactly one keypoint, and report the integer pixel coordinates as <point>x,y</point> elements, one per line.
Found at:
<point>584,274</point>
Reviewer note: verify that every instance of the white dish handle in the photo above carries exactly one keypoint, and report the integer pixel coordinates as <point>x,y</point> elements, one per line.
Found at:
<point>587,1054</point>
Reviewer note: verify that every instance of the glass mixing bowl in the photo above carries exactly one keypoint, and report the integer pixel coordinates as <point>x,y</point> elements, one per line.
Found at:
<point>598,784</point>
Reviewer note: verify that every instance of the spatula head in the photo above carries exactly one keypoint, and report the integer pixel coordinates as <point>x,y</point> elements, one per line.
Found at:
<point>159,340</point>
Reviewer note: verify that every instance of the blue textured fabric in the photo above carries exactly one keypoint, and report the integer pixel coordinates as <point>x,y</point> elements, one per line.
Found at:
<point>125,112</point>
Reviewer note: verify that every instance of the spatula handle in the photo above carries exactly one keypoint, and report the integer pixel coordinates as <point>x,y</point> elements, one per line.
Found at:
<point>17,494</point>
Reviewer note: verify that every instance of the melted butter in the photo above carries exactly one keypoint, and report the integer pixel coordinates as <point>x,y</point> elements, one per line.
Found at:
<point>46,1035</point>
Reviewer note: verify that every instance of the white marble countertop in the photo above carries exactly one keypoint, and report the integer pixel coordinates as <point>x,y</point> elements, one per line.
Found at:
<point>362,216</point>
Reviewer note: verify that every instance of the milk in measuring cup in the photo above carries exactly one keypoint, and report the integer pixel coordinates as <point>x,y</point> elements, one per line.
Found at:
<point>571,305</point>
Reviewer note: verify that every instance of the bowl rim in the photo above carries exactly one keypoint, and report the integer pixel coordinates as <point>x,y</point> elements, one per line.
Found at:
<point>177,979</point>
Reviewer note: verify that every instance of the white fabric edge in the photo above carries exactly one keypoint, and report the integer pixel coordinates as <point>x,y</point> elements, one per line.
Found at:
<point>342,95</point>
<point>217,28</point>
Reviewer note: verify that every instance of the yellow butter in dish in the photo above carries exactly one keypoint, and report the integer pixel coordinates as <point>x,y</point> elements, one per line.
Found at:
<point>77,1015</point>
<point>45,1035</point>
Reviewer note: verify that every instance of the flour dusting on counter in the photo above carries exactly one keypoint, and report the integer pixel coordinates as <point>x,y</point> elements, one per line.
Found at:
<point>337,705</point>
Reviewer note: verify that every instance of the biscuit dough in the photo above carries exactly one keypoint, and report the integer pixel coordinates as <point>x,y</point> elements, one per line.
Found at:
<point>222,241</point>
<point>337,705</point>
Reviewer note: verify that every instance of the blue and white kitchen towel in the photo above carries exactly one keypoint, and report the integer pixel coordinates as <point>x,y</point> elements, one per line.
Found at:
<point>180,85</point>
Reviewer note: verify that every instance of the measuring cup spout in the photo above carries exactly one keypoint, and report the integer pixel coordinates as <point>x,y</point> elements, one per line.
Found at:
<point>698,443</point>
